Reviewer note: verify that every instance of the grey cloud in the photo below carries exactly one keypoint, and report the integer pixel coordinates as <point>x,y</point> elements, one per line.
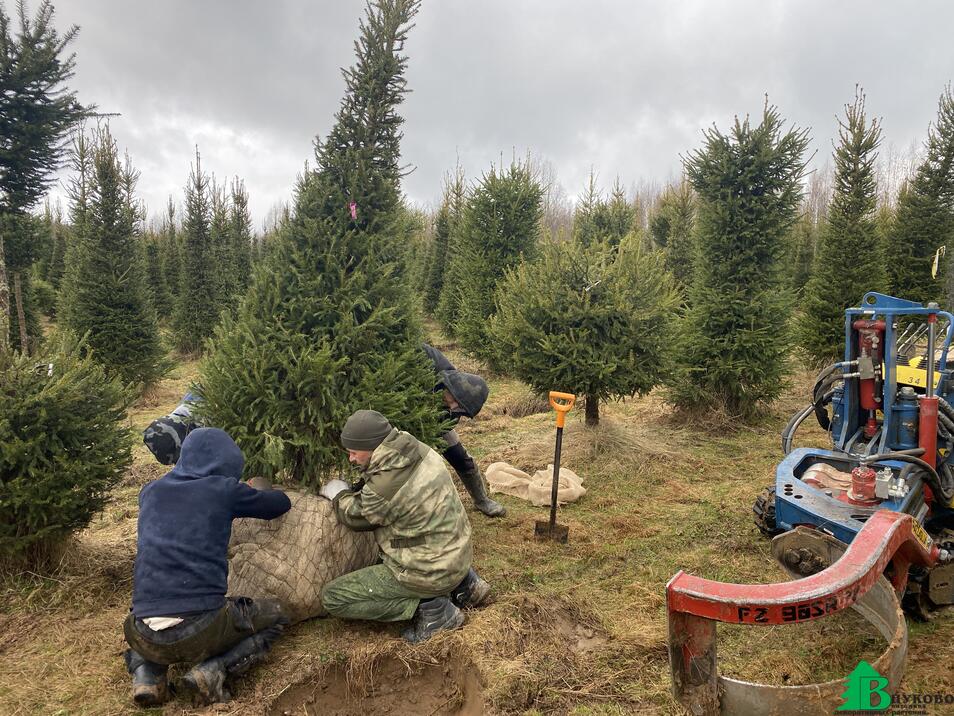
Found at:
<point>624,86</point>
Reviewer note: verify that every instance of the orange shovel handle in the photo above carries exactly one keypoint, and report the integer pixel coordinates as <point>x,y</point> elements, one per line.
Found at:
<point>562,403</point>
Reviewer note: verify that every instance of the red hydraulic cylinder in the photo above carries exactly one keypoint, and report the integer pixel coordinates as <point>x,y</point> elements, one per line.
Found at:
<point>927,429</point>
<point>927,414</point>
<point>870,353</point>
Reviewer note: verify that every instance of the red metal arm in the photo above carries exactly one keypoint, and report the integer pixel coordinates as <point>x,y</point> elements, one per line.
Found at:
<point>886,537</point>
<point>696,604</point>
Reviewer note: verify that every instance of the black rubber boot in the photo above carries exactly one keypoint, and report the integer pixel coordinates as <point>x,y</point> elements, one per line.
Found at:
<point>207,681</point>
<point>474,482</point>
<point>149,687</point>
<point>432,616</point>
<point>248,652</point>
<point>471,592</point>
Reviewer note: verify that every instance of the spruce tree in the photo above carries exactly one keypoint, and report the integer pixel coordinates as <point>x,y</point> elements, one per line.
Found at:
<point>671,228</point>
<point>37,111</point>
<point>448,304</point>
<point>197,308</point>
<point>924,218</point>
<point>803,240</point>
<point>590,320</point>
<point>64,443</point>
<point>152,247</point>
<point>224,275</point>
<point>58,257</point>
<point>437,259</point>
<point>848,261</point>
<point>621,216</point>
<point>586,228</point>
<point>170,243</point>
<point>328,325</point>
<point>104,290</point>
<point>732,345</point>
<point>502,222</point>
<point>240,237</point>
<point>599,221</point>
<point>44,243</point>
<point>19,231</point>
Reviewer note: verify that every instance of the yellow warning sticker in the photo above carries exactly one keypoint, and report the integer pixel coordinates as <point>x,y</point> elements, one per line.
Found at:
<point>923,537</point>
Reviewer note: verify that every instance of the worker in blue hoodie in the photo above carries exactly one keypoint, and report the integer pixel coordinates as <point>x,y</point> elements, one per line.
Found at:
<point>179,611</point>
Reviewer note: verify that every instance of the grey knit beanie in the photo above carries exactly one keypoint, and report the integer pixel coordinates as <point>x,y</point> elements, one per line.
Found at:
<point>365,430</point>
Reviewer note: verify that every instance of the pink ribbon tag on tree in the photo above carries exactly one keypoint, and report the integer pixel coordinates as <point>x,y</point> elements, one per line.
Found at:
<point>354,211</point>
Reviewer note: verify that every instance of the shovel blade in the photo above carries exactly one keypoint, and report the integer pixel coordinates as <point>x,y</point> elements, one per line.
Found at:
<point>556,532</point>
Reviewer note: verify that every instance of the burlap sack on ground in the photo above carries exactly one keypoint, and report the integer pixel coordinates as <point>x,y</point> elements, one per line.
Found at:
<point>505,478</point>
<point>293,557</point>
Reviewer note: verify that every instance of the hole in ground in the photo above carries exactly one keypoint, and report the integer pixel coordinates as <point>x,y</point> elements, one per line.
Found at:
<point>450,688</point>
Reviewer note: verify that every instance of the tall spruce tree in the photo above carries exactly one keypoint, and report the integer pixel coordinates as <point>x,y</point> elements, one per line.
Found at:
<point>240,237</point>
<point>502,223</point>
<point>671,228</point>
<point>803,240</point>
<point>37,112</point>
<point>170,242</point>
<point>104,289</point>
<point>220,241</point>
<point>448,303</point>
<point>732,348</point>
<point>58,256</point>
<point>849,261</point>
<point>327,325</point>
<point>437,259</point>
<point>924,219</point>
<point>197,308</point>
<point>152,247</point>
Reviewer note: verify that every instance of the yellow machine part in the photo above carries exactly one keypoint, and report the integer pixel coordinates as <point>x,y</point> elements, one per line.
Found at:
<point>912,374</point>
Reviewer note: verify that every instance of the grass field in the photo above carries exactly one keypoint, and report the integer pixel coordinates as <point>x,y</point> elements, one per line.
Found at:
<point>574,629</point>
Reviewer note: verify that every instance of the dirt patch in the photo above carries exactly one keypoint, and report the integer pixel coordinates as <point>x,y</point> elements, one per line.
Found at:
<point>391,686</point>
<point>579,638</point>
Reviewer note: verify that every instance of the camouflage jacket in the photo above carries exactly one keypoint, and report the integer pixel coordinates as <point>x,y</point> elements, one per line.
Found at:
<point>409,500</point>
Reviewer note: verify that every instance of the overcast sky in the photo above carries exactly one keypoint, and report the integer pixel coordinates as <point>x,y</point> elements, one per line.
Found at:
<point>624,87</point>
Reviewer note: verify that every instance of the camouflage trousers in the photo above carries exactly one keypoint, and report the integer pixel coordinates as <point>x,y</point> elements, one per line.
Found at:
<point>371,593</point>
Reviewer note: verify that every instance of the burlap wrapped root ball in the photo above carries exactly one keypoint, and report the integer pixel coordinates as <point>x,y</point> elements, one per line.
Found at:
<point>293,557</point>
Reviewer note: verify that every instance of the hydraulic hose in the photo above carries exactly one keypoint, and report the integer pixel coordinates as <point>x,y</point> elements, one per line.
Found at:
<point>943,492</point>
<point>789,431</point>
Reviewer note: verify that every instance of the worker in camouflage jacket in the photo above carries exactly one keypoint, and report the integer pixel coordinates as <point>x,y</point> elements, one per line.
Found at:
<point>464,395</point>
<point>406,496</point>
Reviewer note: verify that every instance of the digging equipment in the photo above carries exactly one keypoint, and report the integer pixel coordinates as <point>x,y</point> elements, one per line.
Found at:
<point>867,523</point>
<point>562,403</point>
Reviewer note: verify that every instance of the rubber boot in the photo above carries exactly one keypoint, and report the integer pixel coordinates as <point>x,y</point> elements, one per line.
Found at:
<point>207,681</point>
<point>248,652</point>
<point>432,616</point>
<point>149,687</point>
<point>473,481</point>
<point>471,592</point>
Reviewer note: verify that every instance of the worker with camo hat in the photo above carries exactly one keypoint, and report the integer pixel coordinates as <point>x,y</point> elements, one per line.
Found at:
<point>406,496</point>
<point>464,395</point>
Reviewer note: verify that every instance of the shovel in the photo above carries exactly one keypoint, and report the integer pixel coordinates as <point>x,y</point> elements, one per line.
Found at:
<point>561,403</point>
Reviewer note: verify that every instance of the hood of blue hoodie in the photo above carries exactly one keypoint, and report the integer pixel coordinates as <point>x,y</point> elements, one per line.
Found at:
<point>209,451</point>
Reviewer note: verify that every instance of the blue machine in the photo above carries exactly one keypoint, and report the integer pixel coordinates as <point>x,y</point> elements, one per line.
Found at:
<point>871,405</point>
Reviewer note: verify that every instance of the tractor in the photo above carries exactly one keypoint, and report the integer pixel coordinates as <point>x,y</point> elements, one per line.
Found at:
<point>866,524</point>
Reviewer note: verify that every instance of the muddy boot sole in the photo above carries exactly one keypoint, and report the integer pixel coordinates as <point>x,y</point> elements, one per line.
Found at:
<point>150,695</point>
